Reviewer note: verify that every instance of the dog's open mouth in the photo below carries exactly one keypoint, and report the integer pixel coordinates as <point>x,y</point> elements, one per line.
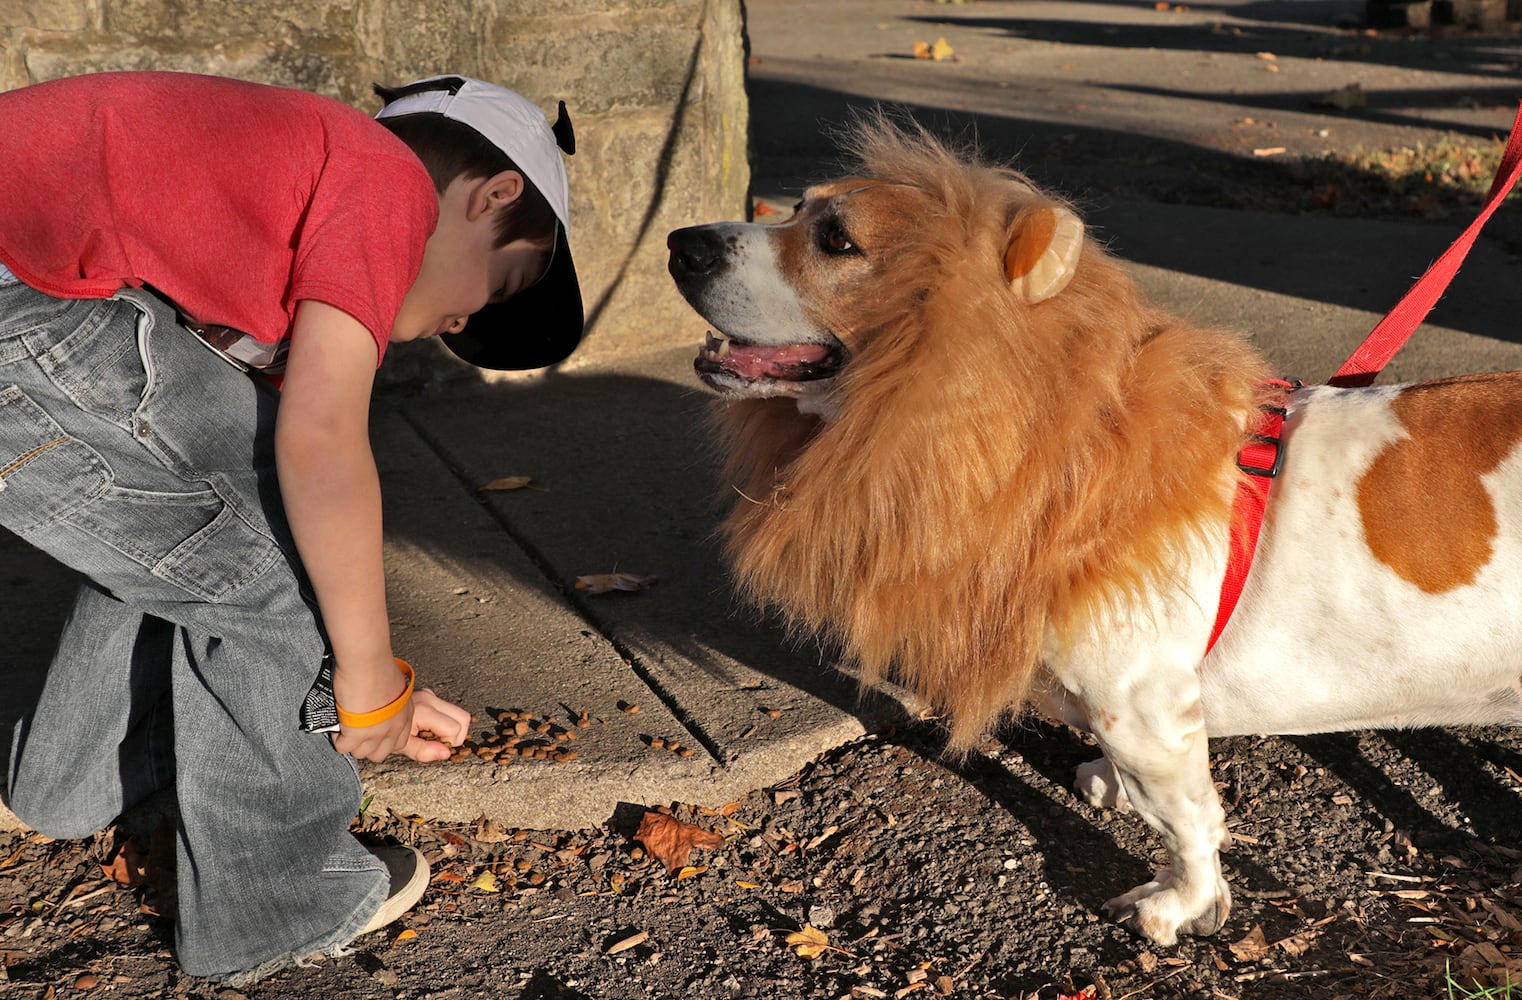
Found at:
<point>746,362</point>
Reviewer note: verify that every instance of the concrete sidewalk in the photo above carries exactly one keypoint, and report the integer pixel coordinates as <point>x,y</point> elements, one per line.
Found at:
<point>483,596</point>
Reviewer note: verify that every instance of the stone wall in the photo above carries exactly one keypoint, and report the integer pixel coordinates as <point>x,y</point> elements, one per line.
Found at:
<point>655,89</point>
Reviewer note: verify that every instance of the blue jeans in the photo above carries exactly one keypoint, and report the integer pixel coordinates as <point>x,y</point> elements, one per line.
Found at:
<point>132,453</point>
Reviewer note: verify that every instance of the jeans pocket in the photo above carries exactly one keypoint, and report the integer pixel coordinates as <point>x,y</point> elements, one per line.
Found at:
<point>98,364</point>
<point>193,540</point>
<point>44,473</point>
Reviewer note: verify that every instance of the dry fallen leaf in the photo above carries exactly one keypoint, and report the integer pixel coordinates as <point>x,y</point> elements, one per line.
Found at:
<point>1252,947</point>
<point>507,483</point>
<point>938,50</point>
<point>811,942</point>
<point>606,583</point>
<point>407,934</point>
<point>129,866</point>
<point>671,841</point>
<point>488,831</point>
<point>486,882</point>
<point>632,941</point>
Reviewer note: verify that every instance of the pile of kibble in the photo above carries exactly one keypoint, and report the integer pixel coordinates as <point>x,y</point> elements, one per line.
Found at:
<point>522,734</point>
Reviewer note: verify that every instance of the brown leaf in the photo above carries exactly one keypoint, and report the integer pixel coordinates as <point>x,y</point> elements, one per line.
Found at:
<point>129,865</point>
<point>811,942</point>
<point>1298,944</point>
<point>632,941</point>
<point>671,841</point>
<point>607,583</point>
<point>488,831</point>
<point>1252,947</point>
<point>507,483</point>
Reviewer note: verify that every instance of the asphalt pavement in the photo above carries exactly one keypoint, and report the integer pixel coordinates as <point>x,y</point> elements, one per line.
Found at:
<point>1128,107</point>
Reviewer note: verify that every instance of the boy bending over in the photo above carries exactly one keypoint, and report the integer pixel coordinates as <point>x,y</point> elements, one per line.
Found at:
<point>172,247</point>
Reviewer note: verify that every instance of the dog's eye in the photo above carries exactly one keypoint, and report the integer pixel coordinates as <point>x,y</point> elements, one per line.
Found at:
<point>833,239</point>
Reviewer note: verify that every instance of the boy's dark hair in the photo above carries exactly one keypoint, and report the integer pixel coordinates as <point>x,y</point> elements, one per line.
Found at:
<point>449,150</point>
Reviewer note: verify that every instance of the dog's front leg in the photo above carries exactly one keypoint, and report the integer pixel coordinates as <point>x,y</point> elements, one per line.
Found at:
<point>1152,730</point>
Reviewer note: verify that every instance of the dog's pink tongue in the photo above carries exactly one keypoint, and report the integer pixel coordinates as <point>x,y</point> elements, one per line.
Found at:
<point>756,361</point>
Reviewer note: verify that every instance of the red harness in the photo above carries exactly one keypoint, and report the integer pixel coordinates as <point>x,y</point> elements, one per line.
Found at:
<point>1260,458</point>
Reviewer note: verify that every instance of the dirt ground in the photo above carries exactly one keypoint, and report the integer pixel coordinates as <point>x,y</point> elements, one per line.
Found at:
<point>1364,866</point>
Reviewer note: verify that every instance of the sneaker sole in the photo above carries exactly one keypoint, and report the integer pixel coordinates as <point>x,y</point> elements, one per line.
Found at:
<point>409,880</point>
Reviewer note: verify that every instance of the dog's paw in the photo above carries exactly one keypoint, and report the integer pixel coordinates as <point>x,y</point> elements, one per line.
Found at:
<point>1099,786</point>
<point>1161,911</point>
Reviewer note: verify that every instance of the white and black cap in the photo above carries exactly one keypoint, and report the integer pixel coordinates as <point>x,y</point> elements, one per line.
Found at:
<point>542,324</point>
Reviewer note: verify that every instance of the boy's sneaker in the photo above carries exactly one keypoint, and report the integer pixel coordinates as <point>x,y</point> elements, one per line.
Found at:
<point>409,880</point>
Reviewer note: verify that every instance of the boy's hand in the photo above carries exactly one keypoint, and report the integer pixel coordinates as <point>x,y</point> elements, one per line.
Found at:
<point>448,721</point>
<point>398,734</point>
<point>359,690</point>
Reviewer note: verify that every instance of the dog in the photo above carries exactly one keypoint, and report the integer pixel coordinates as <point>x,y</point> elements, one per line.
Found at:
<point>972,454</point>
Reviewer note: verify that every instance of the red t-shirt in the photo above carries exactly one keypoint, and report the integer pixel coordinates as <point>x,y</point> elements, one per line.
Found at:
<point>234,200</point>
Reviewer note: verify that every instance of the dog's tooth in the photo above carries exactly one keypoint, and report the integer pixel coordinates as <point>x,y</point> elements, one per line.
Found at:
<point>724,348</point>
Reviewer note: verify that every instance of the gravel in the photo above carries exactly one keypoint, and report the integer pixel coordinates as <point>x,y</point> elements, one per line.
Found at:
<point>1364,865</point>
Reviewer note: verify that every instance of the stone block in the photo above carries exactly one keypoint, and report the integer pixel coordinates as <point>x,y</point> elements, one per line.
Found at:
<point>51,15</point>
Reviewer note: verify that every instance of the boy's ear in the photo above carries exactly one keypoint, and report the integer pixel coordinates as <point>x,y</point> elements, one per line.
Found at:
<point>1042,252</point>
<point>495,192</point>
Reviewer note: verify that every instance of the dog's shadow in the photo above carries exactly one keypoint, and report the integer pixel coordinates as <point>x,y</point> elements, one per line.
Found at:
<point>1463,800</point>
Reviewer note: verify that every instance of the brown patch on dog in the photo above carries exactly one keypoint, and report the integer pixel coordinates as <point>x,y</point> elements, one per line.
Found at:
<point>1426,513</point>
<point>874,215</point>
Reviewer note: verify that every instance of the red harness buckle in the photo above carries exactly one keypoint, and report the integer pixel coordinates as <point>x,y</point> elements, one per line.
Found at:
<point>1260,459</point>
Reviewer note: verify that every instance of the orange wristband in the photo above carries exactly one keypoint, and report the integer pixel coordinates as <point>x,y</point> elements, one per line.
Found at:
<point>359,720</point>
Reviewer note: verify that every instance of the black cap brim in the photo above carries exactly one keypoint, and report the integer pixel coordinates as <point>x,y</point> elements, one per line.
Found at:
<point>538,327</point>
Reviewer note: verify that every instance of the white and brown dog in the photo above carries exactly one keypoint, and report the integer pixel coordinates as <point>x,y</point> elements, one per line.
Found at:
<point>972,454</point>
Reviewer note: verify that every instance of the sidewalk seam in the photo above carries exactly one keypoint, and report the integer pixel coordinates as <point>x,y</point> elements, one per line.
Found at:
<point>578,605</point>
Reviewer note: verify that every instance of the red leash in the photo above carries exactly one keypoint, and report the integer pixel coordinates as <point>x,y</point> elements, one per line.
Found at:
<point>1396,328</point>
<point>1260,457</point>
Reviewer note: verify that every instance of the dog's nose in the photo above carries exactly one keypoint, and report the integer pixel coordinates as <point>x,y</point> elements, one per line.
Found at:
<point>696,252</point>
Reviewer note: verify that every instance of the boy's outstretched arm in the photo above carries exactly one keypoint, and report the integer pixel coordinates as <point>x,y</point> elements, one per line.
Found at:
<point>332,501</point>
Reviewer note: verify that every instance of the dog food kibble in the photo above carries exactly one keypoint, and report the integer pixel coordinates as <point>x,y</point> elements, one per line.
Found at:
<point>583,722</point>
<point>627,708</point>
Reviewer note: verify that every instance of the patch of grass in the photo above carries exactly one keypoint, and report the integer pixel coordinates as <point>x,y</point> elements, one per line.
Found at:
<point>1430,180</point>
<point>1457,991</point>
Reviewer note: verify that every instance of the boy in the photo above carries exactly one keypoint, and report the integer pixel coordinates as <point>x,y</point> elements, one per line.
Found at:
<point>171,244</point>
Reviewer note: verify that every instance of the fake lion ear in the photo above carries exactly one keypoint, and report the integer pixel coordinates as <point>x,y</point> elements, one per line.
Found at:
<point>1043,251</point>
